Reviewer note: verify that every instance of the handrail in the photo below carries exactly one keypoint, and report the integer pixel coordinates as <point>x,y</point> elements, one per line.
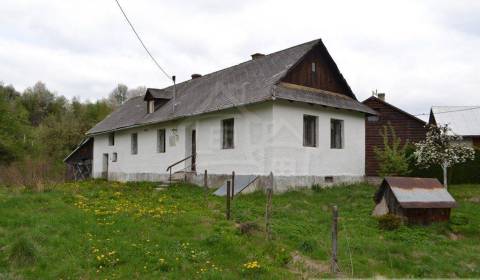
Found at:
<point>180,161</point>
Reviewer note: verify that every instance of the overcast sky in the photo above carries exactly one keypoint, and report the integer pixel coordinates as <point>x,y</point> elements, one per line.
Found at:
<point>421,53</point>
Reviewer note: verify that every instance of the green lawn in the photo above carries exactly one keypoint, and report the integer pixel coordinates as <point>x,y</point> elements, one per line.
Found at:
<point>105,230</point>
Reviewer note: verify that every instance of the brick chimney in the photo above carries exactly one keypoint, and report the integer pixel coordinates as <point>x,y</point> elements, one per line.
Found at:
<point>381,96</point>
<point>194,76</point>
<point>257,56</point>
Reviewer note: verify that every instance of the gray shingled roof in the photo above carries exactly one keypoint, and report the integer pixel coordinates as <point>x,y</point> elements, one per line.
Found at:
<point>246,83</point>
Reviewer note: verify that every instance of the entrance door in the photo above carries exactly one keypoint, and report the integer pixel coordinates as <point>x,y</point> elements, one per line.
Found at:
<point>105,166</point>
<point>194,149</point>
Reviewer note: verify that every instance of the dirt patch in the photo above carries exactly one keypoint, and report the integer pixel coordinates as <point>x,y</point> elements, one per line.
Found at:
<point>475,199</point>
<point>306,267</point>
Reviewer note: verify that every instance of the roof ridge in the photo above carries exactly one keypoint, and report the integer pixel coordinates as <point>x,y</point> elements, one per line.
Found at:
<point>244,62</point>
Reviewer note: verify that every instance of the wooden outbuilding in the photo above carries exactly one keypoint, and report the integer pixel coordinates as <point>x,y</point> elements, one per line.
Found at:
<point>407,127</point>
<point>79,162</point>
<point>418,200</point>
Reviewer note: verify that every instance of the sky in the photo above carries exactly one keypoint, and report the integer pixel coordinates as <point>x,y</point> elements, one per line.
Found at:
<point>420,53</point>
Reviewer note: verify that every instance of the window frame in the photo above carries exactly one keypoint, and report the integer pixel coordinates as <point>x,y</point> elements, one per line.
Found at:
<point>111,139</point>
<point>333,140</point>
<point>307,117</point>
<point>150,106</point>
<point>114,157</point>
<point>134,144</point>
<point>225,141</point>
<point>161,148</point>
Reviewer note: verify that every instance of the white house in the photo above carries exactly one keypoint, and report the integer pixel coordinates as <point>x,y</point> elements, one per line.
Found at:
<point>290,112</point>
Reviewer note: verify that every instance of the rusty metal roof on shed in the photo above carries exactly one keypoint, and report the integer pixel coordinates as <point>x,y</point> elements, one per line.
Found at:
<point>419,192</point>
<point>250,82</point>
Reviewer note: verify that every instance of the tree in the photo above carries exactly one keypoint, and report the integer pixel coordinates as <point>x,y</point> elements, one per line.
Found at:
<point>139,91</point>
<point>118,95</point>
<point>442,147</point>
<point>393,157</point>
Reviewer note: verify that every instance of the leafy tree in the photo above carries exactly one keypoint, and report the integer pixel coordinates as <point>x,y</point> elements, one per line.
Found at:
<point>118,95</point>
<point>442,147</point>
<point>40,102</point>
<point>13,126</point>
<point>393,157</point>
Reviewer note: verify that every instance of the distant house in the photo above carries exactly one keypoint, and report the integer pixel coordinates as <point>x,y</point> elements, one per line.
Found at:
<point>79,161</point>
<point>407,127</point>
<point>290,112</point>
<point>463,120</point>
<point>418,200</point>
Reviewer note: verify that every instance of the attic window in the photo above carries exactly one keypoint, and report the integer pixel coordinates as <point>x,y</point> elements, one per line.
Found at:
<point>314,67</point>
<point>150,106</point>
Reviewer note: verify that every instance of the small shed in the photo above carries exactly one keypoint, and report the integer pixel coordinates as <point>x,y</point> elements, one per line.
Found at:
<point>79,161</point>
<point>418,200</point>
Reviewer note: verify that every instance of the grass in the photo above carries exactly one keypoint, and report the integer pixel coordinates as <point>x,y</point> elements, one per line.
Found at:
<point>98,229</point>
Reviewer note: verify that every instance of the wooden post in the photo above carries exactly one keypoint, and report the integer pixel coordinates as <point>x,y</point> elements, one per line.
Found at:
<point>170,178</point>
<point>268,207</point>
<point>228,200</point>
<point>233,184</point>
<point>205,184</point>
<point>334,267</point>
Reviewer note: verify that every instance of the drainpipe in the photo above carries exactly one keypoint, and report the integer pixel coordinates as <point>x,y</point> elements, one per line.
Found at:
<point>174,93</point>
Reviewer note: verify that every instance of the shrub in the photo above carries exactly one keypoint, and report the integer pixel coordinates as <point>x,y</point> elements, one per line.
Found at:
<point>389,222</point>
<point>33,174</point>
<point>393,158</point>
<point>23,252</point>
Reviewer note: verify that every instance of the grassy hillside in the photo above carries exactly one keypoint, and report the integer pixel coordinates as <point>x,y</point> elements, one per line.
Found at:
<point>104,230</point>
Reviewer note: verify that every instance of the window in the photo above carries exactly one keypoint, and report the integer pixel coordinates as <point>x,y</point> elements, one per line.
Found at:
<point>111,139</point>
<point>114,157</point>
<point>227,133</point>
<point>372,118</point>
<point>150,106</point>
<point>309,131</point>
<point>314,67</point>
<point>161,141</point>
<point>336,134</point>
<point>134,149</point>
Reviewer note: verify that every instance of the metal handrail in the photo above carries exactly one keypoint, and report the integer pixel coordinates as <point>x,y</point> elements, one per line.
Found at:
<point>169,168</point>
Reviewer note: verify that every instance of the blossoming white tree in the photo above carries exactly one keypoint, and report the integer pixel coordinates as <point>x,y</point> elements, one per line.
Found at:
<point>442,147</point>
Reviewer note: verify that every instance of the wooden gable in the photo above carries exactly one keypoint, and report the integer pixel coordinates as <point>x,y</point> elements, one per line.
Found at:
<point>318,70</point>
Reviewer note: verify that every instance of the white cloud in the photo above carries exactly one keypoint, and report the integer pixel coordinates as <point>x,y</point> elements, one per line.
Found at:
<point>419,53</point>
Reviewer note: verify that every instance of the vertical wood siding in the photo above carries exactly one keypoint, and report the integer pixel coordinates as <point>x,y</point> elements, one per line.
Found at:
<point>407,127</point>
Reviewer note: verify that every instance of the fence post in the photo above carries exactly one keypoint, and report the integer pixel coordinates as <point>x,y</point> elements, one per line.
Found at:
<point>205,184</point>
<point>233,184</point>
<point>268,207</point>
<point>334,267</point>
<point>228,200</point>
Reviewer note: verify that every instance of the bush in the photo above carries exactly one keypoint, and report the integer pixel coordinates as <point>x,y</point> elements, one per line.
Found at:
<point>23,252</point>
<point>393,158</point>
<point>389,222</point>
<point>33,174</point>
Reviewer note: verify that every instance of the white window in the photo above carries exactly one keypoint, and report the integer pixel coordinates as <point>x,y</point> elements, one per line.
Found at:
<point>161,141</point>
<point>314,67</point>
<point>227,133</point>
<point>309,131</point>
<point>336,134</point>
<point>150,106</point>
<point>114,157</point>
<point>134,144</point>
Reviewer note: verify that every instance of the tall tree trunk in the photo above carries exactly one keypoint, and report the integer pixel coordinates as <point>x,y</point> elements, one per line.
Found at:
<point>445,179</point>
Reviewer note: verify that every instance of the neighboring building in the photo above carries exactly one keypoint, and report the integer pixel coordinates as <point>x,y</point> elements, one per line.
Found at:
<point>79,162</point>
<point>290,112</point>
<point>418,200</point>
<point>407,127</point>
<point>463,120</point>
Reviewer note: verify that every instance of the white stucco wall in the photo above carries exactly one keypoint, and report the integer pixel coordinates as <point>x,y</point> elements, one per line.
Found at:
<point>292,158</point>
<point>268,137</point>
